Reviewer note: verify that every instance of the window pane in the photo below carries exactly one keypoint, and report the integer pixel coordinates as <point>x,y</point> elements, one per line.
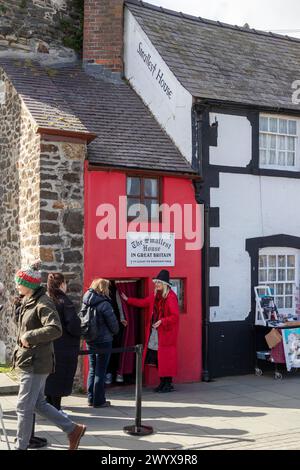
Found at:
<point>280,289</point>
<point>133,186</point>
<point>279,302</point>
<point>282,126</point>
<point>288,289</point>
<point>272,288</point>
<point>272,141</point>
<point>281,158</point>
<point>291,143</point>
<point>263,141</point>
<point>281,275</point>
<point>262,275</point>
<point>272,157</point>
<point>263,261</point>
<point>288,302</point>
<point>150,187</point>
<point>292,127</point>
<point>152,208</point>
<point>272,261</point>
<point>263,124</point>
<point>273,125</point>
<point>272,275</point>
<point>290,159</point>
<point>177,287</point>
<point>291,261</point>
<point>131,210</point>
<point>263,157</point>
<point>290,274</point>
<point>281,142</point>
<point>281,261</point>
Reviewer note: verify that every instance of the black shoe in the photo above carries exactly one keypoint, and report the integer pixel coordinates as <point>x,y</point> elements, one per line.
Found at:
<point>166,388</point>
<point>158,389</point>
<point>37,442</point>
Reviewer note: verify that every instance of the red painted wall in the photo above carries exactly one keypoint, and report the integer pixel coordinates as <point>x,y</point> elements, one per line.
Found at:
<point>107,258</point>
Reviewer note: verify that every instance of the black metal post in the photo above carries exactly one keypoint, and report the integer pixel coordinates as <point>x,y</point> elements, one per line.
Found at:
<point>137,429</point>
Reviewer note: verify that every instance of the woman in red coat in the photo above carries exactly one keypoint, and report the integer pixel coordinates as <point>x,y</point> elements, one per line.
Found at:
<point>161,330</point>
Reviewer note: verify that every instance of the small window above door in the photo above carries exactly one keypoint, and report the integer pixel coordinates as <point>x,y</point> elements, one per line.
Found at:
<point>143,198</point>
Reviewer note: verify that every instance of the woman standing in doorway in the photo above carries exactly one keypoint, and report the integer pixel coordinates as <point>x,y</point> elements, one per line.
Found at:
<point>161,329</point>
<point>66,348</point>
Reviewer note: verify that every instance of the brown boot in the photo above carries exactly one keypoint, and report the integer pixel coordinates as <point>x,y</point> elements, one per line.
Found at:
<point>76,435</point>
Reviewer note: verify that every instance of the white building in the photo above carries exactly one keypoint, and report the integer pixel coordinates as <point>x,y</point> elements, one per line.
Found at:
<point>227,97</point>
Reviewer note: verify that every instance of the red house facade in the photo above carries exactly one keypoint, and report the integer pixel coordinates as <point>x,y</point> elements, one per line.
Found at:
<point>133,161</point>
<point>107,258</point>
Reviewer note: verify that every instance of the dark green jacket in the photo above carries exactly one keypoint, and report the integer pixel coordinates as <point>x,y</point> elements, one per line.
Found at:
<point>39,324</point>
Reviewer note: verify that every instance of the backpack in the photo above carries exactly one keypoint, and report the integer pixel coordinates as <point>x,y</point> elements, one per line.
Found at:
<point>88,323</point>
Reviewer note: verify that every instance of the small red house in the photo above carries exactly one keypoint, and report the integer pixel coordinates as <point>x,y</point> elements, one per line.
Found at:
<point>131,162</point>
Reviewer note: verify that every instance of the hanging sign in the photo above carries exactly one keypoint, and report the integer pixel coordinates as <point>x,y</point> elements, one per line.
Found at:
<point>150,249</point>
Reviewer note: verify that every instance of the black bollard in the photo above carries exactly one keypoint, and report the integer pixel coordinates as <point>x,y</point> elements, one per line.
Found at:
<point>137,429</point>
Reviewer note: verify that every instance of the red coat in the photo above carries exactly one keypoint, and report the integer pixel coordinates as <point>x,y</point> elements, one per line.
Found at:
<point>167,332</point>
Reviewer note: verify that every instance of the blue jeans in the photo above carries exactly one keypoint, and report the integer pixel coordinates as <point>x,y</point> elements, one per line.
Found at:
<point>98,365</point>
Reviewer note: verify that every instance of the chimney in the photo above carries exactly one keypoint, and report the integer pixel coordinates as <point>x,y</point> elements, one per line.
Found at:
<point>103,35</point>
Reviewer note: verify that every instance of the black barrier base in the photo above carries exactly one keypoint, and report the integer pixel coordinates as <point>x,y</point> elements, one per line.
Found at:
<point>138,430</point>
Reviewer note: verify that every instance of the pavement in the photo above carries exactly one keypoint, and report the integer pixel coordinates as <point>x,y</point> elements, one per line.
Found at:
<point>242,412</point>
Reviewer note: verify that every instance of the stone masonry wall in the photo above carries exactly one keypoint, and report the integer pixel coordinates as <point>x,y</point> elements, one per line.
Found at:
<point>19,198</point>
<point>61,218</point>
<point>41,205</point>
<point>50,29</point>
<point>62,212</point>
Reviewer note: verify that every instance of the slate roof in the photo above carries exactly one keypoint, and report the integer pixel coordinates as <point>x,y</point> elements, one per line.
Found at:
<point>218,61</point>
<point>40,95</point>
<point>127,134</point>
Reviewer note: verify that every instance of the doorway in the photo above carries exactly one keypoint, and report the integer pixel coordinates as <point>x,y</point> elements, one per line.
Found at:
<point>121,368</point>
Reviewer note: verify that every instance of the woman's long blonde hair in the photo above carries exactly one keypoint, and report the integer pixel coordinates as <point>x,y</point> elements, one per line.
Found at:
<point>166,289</point>
<point>101,286</point>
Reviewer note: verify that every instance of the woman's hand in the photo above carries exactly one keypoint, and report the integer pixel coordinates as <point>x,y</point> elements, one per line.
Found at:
<point>124,322</point>
<point>156,325</point>
<point>124,296</point>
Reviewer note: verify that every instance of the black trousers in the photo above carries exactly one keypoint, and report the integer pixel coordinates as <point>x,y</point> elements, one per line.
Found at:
<point>54,401</point>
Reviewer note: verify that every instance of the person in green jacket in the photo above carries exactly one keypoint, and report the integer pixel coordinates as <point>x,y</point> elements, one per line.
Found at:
<point>38,326</point>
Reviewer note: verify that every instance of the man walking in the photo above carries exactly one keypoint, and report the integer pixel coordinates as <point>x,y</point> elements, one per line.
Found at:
<point>38,326</point>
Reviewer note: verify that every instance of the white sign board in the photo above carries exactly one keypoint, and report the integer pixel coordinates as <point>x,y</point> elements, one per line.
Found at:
<point>150,249</point>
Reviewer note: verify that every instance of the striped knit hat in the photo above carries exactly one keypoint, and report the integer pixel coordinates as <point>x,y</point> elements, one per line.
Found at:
<point>30,277</point>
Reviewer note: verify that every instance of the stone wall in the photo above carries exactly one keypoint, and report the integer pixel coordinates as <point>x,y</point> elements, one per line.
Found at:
<point>19,198</point>
<point>62,212</point>
<point>49,29</point>
<point>41,205</point>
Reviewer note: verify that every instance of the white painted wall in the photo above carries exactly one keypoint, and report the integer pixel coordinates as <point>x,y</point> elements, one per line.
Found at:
<point>171,108</point>
<point>234,141</point>
<point>250,206</point>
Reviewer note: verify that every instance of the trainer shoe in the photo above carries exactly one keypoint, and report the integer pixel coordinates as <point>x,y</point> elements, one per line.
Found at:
<point>108,379</point>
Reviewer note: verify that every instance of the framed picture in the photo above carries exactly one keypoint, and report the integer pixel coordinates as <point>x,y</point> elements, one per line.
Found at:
<point>291,344</point>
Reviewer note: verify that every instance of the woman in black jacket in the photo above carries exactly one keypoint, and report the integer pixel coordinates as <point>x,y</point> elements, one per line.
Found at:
<point>98,297</point>
<point>60,383</point>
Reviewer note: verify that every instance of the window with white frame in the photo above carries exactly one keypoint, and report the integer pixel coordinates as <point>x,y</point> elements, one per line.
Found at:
<point>278,142</point>
<point>278,268</point>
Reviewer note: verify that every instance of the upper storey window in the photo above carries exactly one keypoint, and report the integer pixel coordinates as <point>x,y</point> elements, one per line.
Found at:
<point>278,143</point>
